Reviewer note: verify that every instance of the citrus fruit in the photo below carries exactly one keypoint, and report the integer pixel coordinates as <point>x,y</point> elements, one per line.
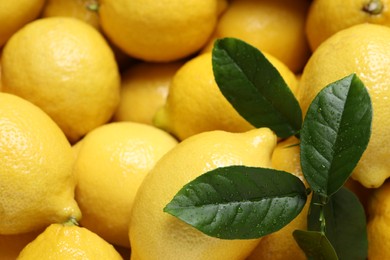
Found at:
<point>276,27</point>
<point>158,235</point>
<point>36,181</point>
<point>66,241</point>
<point>145,87</point>
<point>195,103</point>
<point>15,14</point>
<point>12,245</point>
<point>80,9</point>
<point>111,163</point>
<point>363,49</point>
<point>378,226</point>
<point>281,244</point>
<point>74,77</point>
<point>326,17</point>
<point>164,30</point>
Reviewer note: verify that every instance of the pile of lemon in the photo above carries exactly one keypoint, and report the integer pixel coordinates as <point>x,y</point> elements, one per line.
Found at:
<point>107,108</point>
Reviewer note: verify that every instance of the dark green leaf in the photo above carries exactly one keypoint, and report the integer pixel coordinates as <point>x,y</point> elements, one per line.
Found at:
<point>345,224</point>
<point>315,245</point>
<point>255,88</point>
<point>335,133</point>
<point>239,202</point>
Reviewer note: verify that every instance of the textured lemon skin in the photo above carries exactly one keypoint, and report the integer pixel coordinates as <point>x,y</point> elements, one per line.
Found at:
<point>166,30</point>
<point>73,8</point>
<point>60,241</point>
<point>281,244</point>
<point>12,245</point>
<point>36,169</point>
<point>333,15</point>
<point>362,49</point>
<point>155,234</point>
<point>276,27</point>
<point>65,67</point>
<point>111,163</point>
<point>378,223</point>
<point>15,14</point>
<point>144,89</point>
<point>195,104</point>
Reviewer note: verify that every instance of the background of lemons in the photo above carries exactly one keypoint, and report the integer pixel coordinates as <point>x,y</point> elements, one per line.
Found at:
<point>138,49</point>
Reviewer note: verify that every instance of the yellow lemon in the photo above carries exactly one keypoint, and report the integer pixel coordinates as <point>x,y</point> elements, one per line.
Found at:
<point>80,9</point>
<point>66,241</point>
<point>378,227</point>
<point>145,87</point>
<point>281,244</point>
<point>276,27</point>
<point>163,30</point>
<point>74,77</point>
<point>36,181</point>
<point>158,235</point>
<point>326,17</point>
<point>15,14</point>
<point>12,245</point>
<point>363,49</point>
<point>195,103</point>
<point>111,163</point>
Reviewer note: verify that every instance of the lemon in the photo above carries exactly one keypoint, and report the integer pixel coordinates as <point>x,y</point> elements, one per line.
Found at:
<point>111,163</point>
<point>15,14</point>
<point>276,27</point>
<point>36,181</point>
<point>74,8</point>
<point>12,245</point>
<point>158,235</point>
<point>332,16</point>
<point>378,227</point>
<point>195,103</point>
<point>281,244</point>
<point>65,67</point>
<point>363,49</point>
<point>163,30</point>
<point>145,87</point>
<point>65,241</point>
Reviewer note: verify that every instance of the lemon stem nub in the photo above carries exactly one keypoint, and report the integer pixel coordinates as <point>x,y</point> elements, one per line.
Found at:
<point>72,221</point>
<point>92,6</point>
<point>373,7</point>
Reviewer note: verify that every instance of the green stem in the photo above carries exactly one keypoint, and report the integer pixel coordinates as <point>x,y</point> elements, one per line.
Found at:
<point>322,220</point>
<point>92,6</point>
<point>373,7</point>
<point>72,221</point>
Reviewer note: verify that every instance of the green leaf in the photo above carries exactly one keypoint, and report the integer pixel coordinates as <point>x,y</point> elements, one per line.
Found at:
<point>255,88</point>
<point>315,245</point>
<point>345,224</point>
<point>239,202</point>
<point>335,133</point>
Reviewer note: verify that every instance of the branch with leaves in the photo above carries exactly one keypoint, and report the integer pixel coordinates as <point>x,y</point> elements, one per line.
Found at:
<point>248,202</point>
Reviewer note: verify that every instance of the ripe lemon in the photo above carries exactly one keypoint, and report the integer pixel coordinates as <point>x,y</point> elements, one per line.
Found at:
<point>145,87</point>
<point>73,8</point>
<point>378,227</point>
<point>111,163</point>
<point>281,244</point>
<point>36,181</point>
<point>365,50</point>
<point>276,27</point>
<point>74,77</point>
<point>195,103</point>
<point>15,14</point>
<point>12,245</point>
<point>326,17</point>
<point>65,241</point>
<point>158,235</point>
<point>164,30</point>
